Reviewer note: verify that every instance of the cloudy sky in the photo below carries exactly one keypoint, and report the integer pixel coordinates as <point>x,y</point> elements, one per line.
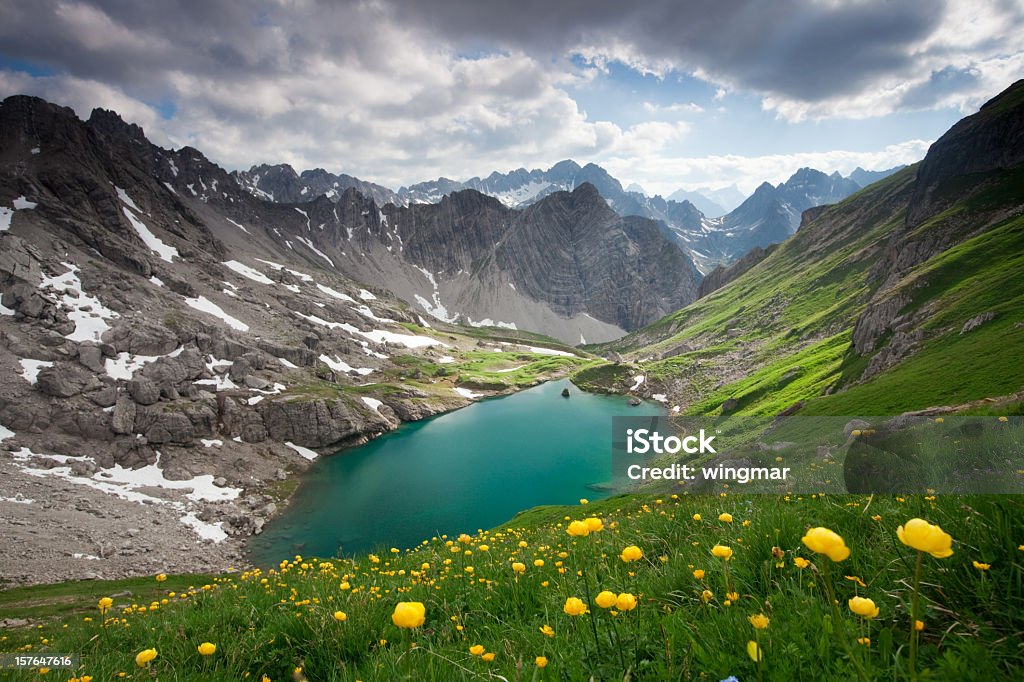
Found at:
<point>664,93</point>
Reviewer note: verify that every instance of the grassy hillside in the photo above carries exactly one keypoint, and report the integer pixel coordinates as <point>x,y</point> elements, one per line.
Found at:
<point>287,623</point>
<point>782,332</point>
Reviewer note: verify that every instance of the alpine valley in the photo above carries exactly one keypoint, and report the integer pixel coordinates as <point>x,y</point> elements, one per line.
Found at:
<point>179,342</point>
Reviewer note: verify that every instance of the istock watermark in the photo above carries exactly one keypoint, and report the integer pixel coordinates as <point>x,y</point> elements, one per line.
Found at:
<point>901,455</point>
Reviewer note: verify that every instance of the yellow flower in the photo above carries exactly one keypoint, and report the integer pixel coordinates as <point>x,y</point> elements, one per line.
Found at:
<point>541,661</point>
<point>919,625</point>
<point>409,614</point>
<point>161,577</point>
<point>1003,419</point>
<point>519,567</point>
<point>465,539</point>
<point>547,631</point>
<point>340,616</point>
<point>632,553</point>
<point>866,641</point>
<point>722,552</point>
<point>754,652</point>
<point>625,602</point>
<point>594,524</point>
<point>487,657</point>
<point>105,604</point>
<point>207,648</point>
<point>143,658</point>
<point>584,500</point>
<point>578,529</point>
<point>926,537</point>
<point>477,650</point>
<point>539,563</point>
<point>760,621</point>
<point>732,596</point>
<point>725,517</point>
<point>980,566</point>
<point>827,542</point>
<point>699,574</point>
<point>801,562</point>
<point>939,420</point>
<point>707,595</point>
<point>696,517</point>
<point>574,607</point>
<point>605,599</point>
<point>863,607</point>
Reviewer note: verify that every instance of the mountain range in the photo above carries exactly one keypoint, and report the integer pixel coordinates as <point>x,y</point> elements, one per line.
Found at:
<point>706,231</point>
<point>170,328</point>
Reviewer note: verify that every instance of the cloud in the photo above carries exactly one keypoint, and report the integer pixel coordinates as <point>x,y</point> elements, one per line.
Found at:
<point>400,92</point>
<point>665,174</point>
<point>677,108</point>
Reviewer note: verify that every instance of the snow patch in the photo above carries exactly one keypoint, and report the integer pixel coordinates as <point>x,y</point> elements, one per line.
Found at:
<point>366,295</point>
<point>305,452</point>
<point>638,380</point>
<point>211,442</point>
<point>165,251</point>
<point>30,369</point>
<point>466,393</point>
<point>205,305</point>
<point>238,225</point>
<point>550,351</point>
<point>339,365</point>
<point>336,294</point>
<point>373,404</point>
<point>245,271</point>
<point>287,363</point>
<point>660,397</point>
<point>88,314</point>
<point>315,250</point>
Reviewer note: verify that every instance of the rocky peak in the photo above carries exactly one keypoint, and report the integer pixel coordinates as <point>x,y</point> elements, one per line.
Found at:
<point>990,140</point>
<point>110,124</point>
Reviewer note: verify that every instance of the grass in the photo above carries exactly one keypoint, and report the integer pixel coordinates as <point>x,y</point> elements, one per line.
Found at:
<point>275,621</point>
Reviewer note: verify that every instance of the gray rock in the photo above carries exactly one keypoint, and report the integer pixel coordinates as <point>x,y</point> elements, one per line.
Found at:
<point>310,423</point>
<point>123,421</point>
<point>143,391</point>
<point>170,427</point>
<point>91,357</point>
<point>105,397</point>
<point>64,380</point>
<point>253,381</point>
<point>977,321</point>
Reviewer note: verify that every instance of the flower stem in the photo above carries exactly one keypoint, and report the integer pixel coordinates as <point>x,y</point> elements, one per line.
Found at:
<point>913,616</point>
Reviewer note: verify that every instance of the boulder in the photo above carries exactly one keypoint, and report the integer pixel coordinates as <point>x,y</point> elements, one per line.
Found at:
<point>123,421</point>
<point>91,357</point>
<point>170,427</point>
<point>64,380</point>
<point>143,391</point>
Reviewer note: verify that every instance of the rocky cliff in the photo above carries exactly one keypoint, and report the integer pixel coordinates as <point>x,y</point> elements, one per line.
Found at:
<point>173,348</point>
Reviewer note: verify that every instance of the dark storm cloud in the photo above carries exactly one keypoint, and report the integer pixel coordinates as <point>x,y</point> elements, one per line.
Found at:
<point>801,49</point>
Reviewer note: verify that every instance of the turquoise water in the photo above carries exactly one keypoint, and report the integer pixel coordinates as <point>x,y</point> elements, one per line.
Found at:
<point>458,472</point>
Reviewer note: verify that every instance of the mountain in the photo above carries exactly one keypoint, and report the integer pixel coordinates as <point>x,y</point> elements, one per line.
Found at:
<point>175,348</point>
<point>768,216</point>
<point>865,177</point>
<point>282,184</point>
<point>905,296</point>
<point>701,202</point>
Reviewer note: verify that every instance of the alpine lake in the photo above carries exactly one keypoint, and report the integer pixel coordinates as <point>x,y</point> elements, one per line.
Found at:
<point>470,469</point>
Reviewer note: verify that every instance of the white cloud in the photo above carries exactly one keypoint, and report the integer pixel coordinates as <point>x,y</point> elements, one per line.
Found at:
<point>665,174</point>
